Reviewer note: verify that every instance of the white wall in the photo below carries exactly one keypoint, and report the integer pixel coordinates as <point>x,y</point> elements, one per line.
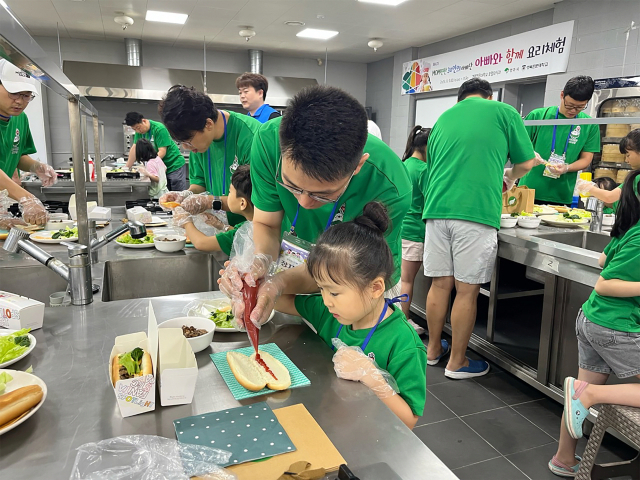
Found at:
<point>36,112</point>
<point>379,77</point>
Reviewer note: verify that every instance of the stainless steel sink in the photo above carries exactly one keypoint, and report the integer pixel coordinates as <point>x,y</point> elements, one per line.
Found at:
<point>594,242</point>
<point>37,281</point>
<point>171,275</point>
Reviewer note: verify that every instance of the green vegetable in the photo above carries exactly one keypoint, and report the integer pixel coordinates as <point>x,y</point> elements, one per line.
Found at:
<point>128,239</point>
<point>129,363</point>
<point>222,319</point>
<point>4,379</point>
<point>23,341</point>
<point>66,233</point>
<point>9,349</point>
<point>136,354</point>
<point>29,370</point>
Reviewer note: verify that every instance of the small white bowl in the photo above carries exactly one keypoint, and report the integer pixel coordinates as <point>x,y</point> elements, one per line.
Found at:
<point>608,219</point>
<point>529,222</point>
<point>58,216</point>
<point>507,221</point>
<point>197,343</point>
<point>57,224</point>
<point>161,244</point>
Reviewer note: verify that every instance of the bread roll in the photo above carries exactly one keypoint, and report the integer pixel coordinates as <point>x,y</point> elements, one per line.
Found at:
<point>254,377</point>
<point>146,368</point>
<point>21,400</point>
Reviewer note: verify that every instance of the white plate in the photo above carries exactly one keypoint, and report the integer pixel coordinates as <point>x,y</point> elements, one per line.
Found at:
<point>156,222</point>
<point>546,210</point>
<point>136,245</point>
<point>550,220</point>
<point>45,237</point>
<point>22,379</point>
<point>210,305</point>
<point>32,339</point>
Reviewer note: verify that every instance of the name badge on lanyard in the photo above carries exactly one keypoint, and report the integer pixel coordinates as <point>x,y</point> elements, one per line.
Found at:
<point>554,158</point>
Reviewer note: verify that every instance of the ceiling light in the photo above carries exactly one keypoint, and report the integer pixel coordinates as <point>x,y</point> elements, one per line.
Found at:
<point>294,23</point>
<point>393,3</point>
<point>166,17</point>
<point>247,33</point>
<point>375,43</point>
<point>317,33</point>
<point>124,21</point>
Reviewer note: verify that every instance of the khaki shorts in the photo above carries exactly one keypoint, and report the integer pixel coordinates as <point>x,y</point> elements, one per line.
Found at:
<point>464,250</point>
<point>412,251</point>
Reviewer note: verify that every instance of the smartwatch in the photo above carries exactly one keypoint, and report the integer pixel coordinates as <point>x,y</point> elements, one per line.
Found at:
<point>217,203</point>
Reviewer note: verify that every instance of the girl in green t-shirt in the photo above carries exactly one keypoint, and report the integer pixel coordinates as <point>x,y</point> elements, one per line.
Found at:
<point>373,341</point>
<point>608,330</point>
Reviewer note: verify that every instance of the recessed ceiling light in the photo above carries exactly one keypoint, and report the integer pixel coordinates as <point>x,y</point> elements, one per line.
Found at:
<point>294,23</point>
<point>393,3</point>
<point>166,17</point>
<point>317,33</point>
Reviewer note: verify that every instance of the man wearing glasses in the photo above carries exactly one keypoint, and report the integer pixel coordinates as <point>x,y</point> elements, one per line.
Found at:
<point>17,89</point>
<point>563,150</point>
<point>312,168</point>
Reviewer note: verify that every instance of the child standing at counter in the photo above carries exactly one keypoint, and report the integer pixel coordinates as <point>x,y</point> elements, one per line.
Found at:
<point>154,167</point>
<point>608,329</point>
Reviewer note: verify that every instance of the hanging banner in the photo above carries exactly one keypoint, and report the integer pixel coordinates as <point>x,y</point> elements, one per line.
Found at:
<point>539,52</point>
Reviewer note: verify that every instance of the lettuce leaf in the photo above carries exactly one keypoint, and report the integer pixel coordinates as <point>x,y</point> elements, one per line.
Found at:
<point>4,379</point>
<point>129,363</point>
<point>8,348</point>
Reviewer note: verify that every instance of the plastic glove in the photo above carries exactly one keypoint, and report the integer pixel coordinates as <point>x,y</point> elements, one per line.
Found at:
<point>33,211</point>
<point>197,204</point>
<point>212,220</point>
<point>538,160</point>
<point>584,186</point>
<point>181,217</point>
<point>45,173</point>
<point>174,197</point>
<point>559,168</point>
<point>350,363</point>
<point>142,171</point>
<point>268,293</point>
<point>509,184</point>
<point>8,221</point>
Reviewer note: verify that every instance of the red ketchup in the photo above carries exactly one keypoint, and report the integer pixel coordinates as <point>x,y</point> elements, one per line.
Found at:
<point>250,300</point>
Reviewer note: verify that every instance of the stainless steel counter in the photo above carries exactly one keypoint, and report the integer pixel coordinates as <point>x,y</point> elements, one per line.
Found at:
<point>71,358</point>
<point>116,192</point>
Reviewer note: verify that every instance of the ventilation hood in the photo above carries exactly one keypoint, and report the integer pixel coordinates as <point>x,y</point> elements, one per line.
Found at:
<point>105,80</point>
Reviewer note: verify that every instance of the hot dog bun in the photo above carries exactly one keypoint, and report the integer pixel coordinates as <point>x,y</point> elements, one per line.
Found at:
<point>21,400</point>
<point>145,368</point>
<point>254,377</point>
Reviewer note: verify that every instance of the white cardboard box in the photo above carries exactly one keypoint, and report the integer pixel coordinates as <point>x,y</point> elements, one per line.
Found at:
<point>18,312</point>
<point>137,395</point>
<point>139,214</point>
<point>100,213</point>
<point>177,368</point>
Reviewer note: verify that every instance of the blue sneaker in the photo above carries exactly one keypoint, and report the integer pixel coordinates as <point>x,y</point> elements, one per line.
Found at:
<point>574,412</point>
<point>476,368</point>
<point>446,348</point>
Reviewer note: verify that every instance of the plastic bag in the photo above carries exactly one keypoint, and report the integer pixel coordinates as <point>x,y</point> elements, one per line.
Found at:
<point>208,230</point>
<point>5,201</point>
<point>148,457</point>
<point>243,248</point>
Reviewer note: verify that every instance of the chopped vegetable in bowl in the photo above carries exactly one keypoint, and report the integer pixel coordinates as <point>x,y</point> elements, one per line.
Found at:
<point>127,238</point>
<point>66,233</point>
<point>222,317</point>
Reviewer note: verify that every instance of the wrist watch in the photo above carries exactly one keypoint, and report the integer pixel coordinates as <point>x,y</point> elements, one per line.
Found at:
<point>217,203</point>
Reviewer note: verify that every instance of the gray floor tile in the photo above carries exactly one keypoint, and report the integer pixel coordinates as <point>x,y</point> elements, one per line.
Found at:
<point>434,411</point>
<point>508,388</point>
<point>497,469</point>
<point>545,413</point>
<point>534,462</point>
<point>435,374</point>
<point>508,431</point>
<point>465,397</point>
<point>455,443</point>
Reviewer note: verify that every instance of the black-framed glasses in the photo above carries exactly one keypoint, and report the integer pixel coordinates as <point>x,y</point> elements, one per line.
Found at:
<point>574,108</point>
<point>298,191</point>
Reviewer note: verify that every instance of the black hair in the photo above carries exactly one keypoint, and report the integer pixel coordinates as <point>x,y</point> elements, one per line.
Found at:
<point>323,132</point>
<point>417,141</point>
<point>145,150</point>
<point>475,86</point>
<point>184,111</point>
<point>606,183</point>
<point>579,88</point>
<point>628,212</point>
<point>631,142</point>
<point>356,252</point>
<point>133,118</point>
<point>255,80</point>
<point>241,181</point>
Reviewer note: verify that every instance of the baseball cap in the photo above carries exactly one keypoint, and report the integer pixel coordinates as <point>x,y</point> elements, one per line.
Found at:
<point>14,79</point>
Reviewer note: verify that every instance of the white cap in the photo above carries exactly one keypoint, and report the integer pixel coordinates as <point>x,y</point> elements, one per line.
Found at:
<point>15,80</point>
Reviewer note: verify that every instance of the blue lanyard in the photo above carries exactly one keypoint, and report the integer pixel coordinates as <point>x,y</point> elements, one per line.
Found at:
<point>224,168</point>
<point>553,143</point>
<point>387,301</point>
<point>295,219</point>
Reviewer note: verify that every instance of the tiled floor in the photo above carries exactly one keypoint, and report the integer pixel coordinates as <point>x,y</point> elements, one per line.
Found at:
<point>496,427</point>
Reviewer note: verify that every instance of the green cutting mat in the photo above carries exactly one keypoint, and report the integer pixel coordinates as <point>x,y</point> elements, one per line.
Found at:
<point>239,392</point>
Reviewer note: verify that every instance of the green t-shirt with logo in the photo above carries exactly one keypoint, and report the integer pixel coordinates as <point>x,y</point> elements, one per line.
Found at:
<point>15,141</point>
<point>395,345</point>
<point>615,204</point>
<point>622,263</point>
<point>240,132</point>
<point>584,138</point>
<point>159,136</point>
<point>225,239</point>
<point>467,151</point>
<point>381,178</point>
<point>413,227</point>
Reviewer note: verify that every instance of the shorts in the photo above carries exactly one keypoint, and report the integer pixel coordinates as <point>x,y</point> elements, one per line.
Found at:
<point>412,251</point>
<point>603,350</point>
<point>464,250</point>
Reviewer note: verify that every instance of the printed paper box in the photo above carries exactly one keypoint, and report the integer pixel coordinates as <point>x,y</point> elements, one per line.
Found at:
<point>177,368</point>
<point>137,395</point>
<point>18,312</point>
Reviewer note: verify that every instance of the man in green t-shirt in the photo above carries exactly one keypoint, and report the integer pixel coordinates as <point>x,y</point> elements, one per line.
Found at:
<point>17,89</point>
<point>219,141</point>
<point>311,168</point>
<point>167,149</point>
<point>467,151</point>
<point>563,150</point>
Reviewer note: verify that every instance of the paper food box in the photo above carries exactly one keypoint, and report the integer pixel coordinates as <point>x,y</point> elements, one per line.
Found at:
<point>177,368</point>
<point>137,395</point>
<point>139,214</point>
<point>17,312</point>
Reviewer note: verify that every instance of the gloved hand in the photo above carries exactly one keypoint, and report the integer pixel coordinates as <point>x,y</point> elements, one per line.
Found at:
<point>351,363</point>
<point>181,217</point>
<point>45,173</point>
<point>174,197</point>
<point>33,211</point>
<point>143,171</point>
<point>196,204</point>
<point>212,220</point>
<point>8,221</point>
<point>559,168</point>
<point>539,160</point>
<point>507,179</point>
<point>268,293</point>
<point>584,186</point>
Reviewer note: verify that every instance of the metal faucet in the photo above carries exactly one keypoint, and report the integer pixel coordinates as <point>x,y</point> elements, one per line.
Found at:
<point>135,228</point>
<point>596,207</point>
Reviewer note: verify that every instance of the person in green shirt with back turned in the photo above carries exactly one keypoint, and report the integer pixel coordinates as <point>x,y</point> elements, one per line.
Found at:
<point>219,141</point>
<point>563,150</point>
<point>468,148</point>
<point>167,149</point>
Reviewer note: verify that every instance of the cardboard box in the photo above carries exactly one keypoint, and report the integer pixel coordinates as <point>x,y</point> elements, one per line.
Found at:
<point>72,207</point>
<point>137,395</point>
<point>100,213</point>
<point>17,312</point>
<point>139,214</point>
<point>177,368</point>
